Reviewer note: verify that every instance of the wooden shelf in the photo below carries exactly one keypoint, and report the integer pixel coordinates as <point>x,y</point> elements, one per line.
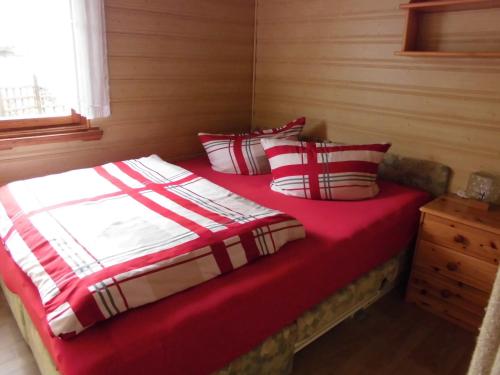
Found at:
<point>447,54</point>
<point>450,5</point>
<point>414,13</point>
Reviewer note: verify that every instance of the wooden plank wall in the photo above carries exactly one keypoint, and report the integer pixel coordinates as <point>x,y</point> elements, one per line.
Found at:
<point>176,68</point>
<point>333,61</point>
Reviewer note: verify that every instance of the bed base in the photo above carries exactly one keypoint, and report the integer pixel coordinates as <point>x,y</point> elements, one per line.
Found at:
<point>361,305</point>
<point>275,354</point>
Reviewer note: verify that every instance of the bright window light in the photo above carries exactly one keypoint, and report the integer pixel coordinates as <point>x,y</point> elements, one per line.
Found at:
<point>37,65</point>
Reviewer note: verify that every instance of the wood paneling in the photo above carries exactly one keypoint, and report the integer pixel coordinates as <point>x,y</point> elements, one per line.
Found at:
<point>179,67</point>
<point>176,68</point>
<point>333,61</point>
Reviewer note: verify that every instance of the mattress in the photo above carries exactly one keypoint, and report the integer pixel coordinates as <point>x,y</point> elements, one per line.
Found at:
<point>275,355</point>
<point>200,330</point>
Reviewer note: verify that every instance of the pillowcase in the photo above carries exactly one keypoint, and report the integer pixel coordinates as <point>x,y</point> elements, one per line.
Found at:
<point>324,170</point>
<point>243,153</point>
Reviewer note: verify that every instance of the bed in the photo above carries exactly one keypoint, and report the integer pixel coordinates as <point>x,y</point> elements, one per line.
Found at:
<point>254,319</point>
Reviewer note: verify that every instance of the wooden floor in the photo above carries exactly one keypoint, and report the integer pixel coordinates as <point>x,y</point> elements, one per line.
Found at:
<point>389,338</point>
<point>15,355</point>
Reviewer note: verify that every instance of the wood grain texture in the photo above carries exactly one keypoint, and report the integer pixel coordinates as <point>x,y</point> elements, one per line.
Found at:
<point>452,291</point>
<point>452,207</point>
<point>456,260</point>
<point>176,68</point>
<point>389,338</point>
<point>450,5</point>
<point>442,308</point>
<point>438,259</point>
<point>473,242</point>
<point>334,62</point>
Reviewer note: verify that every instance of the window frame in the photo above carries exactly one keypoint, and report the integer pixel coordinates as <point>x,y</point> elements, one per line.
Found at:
<point>40,130</point>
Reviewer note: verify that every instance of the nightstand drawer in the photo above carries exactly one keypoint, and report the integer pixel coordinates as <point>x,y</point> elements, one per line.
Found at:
<point>449,291</point>
<point>438,259</point>
<point>457,315</point>
<point>475,242</point>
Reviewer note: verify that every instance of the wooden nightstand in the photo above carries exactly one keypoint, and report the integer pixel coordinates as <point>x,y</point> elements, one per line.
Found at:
<point>457,257</point>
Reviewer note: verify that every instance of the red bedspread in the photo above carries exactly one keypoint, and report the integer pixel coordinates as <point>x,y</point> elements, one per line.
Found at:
<point>202,329</point>
<point>97,242</point>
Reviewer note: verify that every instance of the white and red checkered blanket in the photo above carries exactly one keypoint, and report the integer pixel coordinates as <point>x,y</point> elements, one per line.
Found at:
<point>97,242</point>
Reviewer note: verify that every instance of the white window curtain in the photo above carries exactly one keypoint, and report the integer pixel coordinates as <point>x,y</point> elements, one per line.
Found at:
<point>486,358</point>
<point>89,33</point>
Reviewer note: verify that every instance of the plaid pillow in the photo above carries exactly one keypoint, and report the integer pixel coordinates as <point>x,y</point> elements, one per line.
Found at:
<point>324,170</point>
<point>243,153</point>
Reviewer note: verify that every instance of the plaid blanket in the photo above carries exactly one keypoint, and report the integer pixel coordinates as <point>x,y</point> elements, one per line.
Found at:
<point>97,242</point>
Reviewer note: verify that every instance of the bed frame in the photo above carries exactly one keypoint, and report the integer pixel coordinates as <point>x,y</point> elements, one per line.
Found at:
<point>275,354</point>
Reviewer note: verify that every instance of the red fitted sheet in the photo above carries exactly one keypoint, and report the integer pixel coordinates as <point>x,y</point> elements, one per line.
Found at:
<point>202,329</point>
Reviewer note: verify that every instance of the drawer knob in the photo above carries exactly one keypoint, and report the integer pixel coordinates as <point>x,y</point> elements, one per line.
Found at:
<point>452,266</point>
<point>459,239</point>
<point>445,293</point>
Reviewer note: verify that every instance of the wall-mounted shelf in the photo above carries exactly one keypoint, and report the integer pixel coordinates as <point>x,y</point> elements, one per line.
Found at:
<point>447,54</point>
<point>450,5</point>
<point>416,9</point>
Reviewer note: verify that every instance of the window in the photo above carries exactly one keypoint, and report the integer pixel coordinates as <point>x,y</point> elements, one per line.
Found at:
<point>49,50</point>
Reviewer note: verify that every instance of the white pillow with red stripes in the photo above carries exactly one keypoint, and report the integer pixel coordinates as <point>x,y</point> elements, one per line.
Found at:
<point>243,153</point>
<point>324,170</point>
